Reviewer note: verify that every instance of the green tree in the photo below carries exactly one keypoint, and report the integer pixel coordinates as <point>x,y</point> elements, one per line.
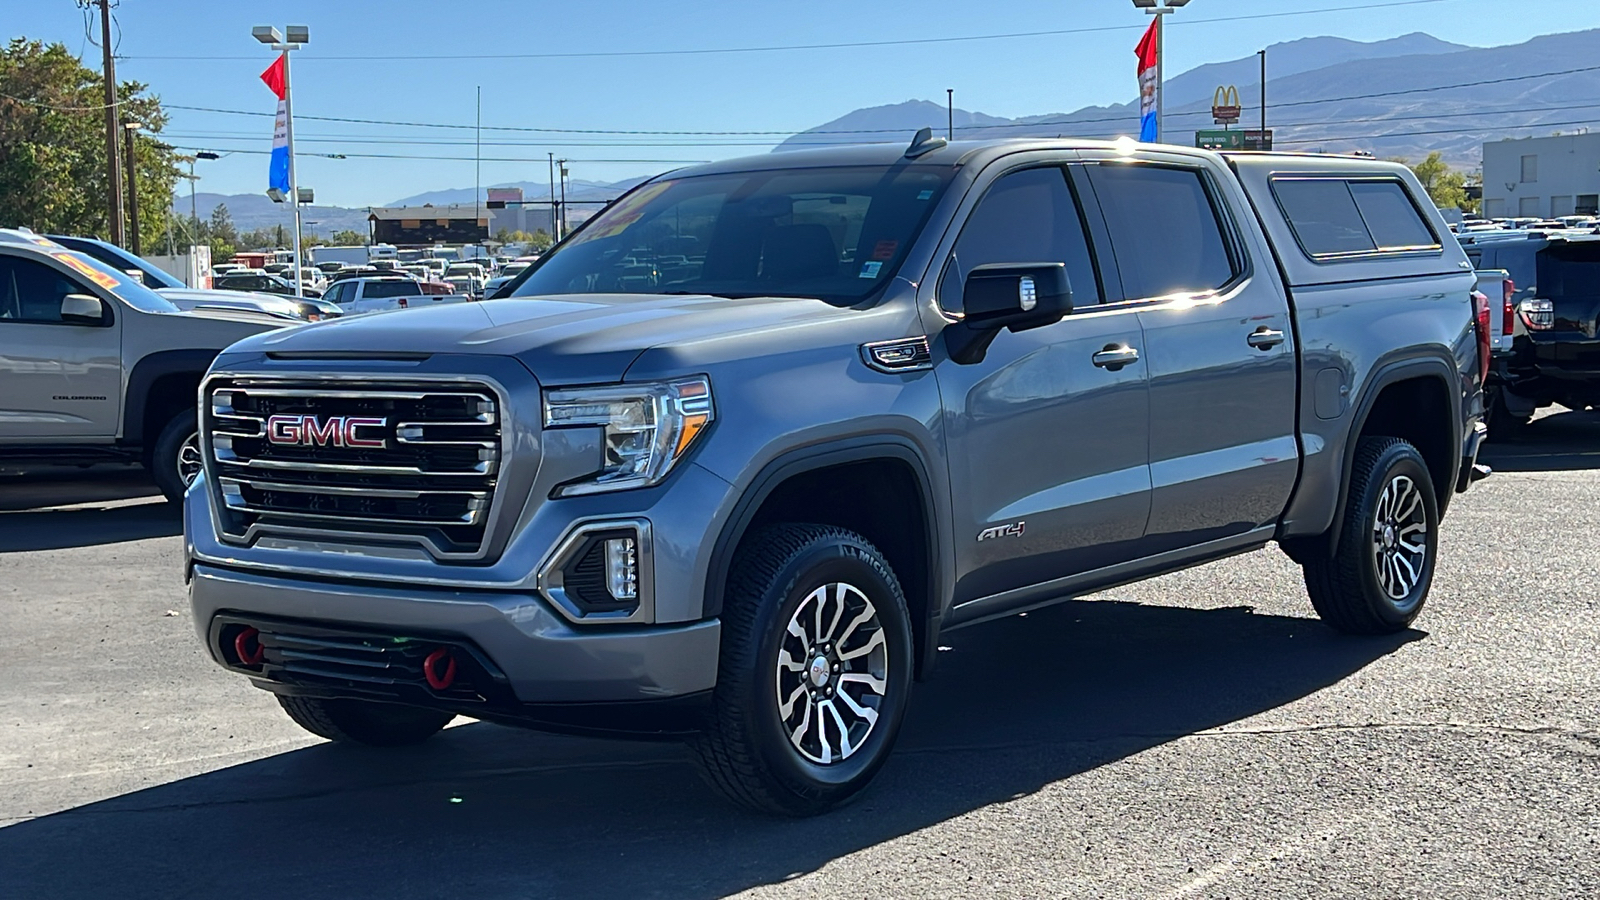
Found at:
<point>220,234</point>
<point>541,240</point>
<point>1445,186</point>
<point>52,145</point>
<point>347,237</point>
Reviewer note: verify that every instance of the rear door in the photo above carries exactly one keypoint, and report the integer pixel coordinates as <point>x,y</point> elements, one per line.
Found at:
<point>1218,345</point>
<point>58,379</point>
<point>1567,274</point>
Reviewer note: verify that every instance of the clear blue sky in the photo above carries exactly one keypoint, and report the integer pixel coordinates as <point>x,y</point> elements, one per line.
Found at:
<point>435,55</point>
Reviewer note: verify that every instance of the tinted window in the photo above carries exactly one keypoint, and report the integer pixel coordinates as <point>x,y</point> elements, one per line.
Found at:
<point>338,293</point>
<point>837,234</point>
<point>1569,272</point>
<point>392,287</point>
<point>1026,217</point>
<point>1332,216</point>
<point>1324,216</point>
<point>1164,229</point>
<point>1390,215</point>
<point>32,291</point>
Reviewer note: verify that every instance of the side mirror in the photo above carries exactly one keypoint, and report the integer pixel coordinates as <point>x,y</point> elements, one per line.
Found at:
<point>82,309</point>
<point>1014,296</point>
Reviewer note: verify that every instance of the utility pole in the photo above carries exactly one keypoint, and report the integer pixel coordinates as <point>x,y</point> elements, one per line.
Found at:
<point>556,235</point>
<point>1262,144</point>
<point>477,166</point>
<point>563,164</point>
<point>113,171</point>
<point>133,188</point>
<point>950,113</point>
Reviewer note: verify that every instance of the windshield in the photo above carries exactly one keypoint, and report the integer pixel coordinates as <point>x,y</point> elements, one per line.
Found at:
<point>836,234</point>
<point>125,286</point>
<point>122,261</point>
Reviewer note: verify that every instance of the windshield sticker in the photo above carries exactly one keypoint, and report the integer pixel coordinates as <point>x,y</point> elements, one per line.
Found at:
<point>620,217</point>
<point>885,249</point>
<point>925,195</point>
<point>870,269</point>
<point>98,276</point>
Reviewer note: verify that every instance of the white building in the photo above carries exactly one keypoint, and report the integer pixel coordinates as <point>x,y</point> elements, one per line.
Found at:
<point>1544,177</point>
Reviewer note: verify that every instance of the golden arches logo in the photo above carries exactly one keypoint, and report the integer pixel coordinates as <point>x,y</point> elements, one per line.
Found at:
<point>1225,97</point>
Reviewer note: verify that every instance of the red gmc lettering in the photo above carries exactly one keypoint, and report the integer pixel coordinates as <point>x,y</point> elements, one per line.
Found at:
<point>328,434</point>
<point>354,422</point>
<point>284,429</point>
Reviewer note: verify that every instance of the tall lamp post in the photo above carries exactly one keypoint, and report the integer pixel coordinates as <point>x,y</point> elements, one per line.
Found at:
<point>297,36</point>
<point>132,129</point>
<point>1159,9</point>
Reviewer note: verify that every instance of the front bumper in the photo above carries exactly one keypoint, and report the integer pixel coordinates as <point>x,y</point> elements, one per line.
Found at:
<point>543,659</point>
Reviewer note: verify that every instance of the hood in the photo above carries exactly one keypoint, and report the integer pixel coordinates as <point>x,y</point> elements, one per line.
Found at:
<point>562,339</point>
<point>188,299</point>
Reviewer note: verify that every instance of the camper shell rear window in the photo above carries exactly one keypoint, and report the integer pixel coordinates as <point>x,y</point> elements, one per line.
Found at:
<point>1337,218</point>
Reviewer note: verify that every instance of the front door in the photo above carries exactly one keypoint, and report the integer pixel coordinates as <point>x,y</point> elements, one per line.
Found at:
<point>58,379</point>
<point>1047,435</point>
<point>1220,354</point>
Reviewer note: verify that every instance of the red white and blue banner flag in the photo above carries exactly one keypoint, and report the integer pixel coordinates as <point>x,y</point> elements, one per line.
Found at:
<point>278,170</point>
<point>1148,52</point>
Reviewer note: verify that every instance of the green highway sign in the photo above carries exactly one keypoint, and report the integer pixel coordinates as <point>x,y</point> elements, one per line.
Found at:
<point>1242,139</point>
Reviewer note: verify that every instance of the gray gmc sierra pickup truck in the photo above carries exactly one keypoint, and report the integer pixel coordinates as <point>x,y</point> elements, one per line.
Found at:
<point>726,462</point>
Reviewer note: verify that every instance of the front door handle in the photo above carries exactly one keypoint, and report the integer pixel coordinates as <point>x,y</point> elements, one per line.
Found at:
<point>1265,338</point>
<point>1115,356</point>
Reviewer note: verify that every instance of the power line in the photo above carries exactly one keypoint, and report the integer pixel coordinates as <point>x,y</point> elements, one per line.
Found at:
<point>703,51</point>
<point>1043,123</point>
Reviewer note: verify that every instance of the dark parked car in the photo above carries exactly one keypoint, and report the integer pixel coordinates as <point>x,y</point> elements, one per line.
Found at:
<point>1552,309</point>
<point>264,284</point>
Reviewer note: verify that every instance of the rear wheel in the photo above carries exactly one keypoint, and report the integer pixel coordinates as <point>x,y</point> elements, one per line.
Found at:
<point>814,674</point>
<point>174,461</point>
<point>364,721</point>
<point>1377,578</point>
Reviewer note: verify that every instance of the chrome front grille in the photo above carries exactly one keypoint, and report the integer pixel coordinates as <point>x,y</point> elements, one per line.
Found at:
<point>401,461</point>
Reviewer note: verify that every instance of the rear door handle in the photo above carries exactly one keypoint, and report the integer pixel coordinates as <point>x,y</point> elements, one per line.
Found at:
<point>1265,338</point>
<point>1115,357</point>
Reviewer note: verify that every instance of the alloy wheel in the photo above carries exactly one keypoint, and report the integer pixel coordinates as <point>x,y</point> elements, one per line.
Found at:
<point>189,461</point>
<point>1400,539</point>
<point>833,670</point>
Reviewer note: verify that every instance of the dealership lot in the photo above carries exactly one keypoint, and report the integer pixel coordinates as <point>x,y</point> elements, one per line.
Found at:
<point>1198,735</point>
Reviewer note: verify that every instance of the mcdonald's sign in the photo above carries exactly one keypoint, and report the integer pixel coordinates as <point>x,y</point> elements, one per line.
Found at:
<point>1225,107</point>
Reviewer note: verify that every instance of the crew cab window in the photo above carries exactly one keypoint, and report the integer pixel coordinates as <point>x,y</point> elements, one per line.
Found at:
<point>338,293</point>
<point>31,292</point>
<point>1334,217</point>
<point>1026,217</point>
<point>391,288</point>
<point>1164,229</point>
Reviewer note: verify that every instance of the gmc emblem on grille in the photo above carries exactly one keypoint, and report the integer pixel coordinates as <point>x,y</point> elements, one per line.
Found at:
<point>334,431</point>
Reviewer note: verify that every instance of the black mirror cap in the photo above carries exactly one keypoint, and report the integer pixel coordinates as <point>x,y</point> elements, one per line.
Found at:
<point>1017,296</point>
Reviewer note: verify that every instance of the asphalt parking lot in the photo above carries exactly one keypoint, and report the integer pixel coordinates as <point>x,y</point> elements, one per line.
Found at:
<point>1200,735</point>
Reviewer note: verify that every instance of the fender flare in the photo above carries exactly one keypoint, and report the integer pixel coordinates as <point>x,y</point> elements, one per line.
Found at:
<point>819,456</point>
<point>1430,364</point>
<point>146,372</point>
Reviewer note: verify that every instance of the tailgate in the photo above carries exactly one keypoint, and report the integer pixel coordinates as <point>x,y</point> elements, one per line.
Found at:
<point>1496,284</point>
<point>1568,275</point>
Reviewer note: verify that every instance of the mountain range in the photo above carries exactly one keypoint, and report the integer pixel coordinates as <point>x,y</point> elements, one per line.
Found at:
<point>1403,97</point>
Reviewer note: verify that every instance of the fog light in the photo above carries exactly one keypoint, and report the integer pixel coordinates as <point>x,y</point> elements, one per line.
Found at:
<point>622,568</point>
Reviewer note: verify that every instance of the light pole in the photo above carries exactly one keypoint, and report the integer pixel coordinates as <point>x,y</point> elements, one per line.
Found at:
<point>1160,9</point>
<point>561,165</point>
<point>132,129</point>
<point>297,36</point>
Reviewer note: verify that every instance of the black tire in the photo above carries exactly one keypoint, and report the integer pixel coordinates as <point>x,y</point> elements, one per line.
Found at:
<point>746,751</point>
<point>183,428</point>
<point>1348,586</point>
<point>364,721</point>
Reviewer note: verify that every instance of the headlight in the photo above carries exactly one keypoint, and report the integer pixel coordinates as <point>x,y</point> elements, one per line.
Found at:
<point>648,428</point>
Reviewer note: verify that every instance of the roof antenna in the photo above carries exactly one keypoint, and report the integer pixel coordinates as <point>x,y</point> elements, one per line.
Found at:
<point>924,142</point>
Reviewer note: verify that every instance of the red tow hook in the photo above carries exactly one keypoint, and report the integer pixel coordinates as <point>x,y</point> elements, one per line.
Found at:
<point>439,680</point>
<point>247,645</point>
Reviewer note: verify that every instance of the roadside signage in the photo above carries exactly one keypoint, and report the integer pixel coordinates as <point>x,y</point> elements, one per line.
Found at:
<point>1243,139</point>
<point>1225,107</point>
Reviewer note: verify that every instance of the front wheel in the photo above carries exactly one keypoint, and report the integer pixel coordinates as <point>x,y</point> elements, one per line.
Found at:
<point>174,461</point>
<point>1377,578</point>
<point>814,674</point>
